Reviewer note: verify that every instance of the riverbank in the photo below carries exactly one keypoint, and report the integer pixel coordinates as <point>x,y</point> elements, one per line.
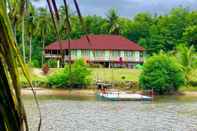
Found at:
<point>80,92</point>
<point>121,77</point>
<point>59,92</point>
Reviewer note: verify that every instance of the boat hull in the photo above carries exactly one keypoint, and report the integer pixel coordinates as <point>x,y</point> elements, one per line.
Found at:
<point>123,97</point>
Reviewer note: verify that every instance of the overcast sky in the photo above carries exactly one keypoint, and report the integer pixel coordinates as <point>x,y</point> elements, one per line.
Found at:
<point>126,8</point>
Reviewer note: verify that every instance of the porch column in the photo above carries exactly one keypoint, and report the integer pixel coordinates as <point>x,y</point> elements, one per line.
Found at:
<point>58,63</point>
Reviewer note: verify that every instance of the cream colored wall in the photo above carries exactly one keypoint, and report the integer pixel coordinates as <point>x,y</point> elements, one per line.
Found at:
<point>108,56</point>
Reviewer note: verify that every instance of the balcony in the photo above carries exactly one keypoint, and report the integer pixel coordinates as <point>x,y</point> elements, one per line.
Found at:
<point>98,59</point>
<point>52,55</point>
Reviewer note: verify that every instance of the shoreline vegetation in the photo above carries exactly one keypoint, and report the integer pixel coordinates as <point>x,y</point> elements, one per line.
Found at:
<point>40,91</point>
<point>113,75</point>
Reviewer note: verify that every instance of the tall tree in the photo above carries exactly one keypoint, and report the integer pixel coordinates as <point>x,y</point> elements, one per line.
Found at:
<point>172,27</point>
<point>16,11</point>
<point>140,26</point>
<point>112,19</point>
<point>43,27</point>
<point>190,35</point>
<point>30,22</point>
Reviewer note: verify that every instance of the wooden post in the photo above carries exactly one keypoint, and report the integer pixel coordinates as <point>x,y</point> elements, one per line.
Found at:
<point>152,93</point>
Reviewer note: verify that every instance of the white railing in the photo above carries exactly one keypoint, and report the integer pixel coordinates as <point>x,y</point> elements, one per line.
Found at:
<point>126,59</point>
<point>52,56</point>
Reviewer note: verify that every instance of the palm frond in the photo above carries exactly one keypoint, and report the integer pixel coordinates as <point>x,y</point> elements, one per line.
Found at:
<point>81,19</point>
<point>12,112</point>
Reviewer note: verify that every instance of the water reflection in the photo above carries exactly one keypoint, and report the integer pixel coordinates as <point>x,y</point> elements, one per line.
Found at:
<point>70,113</point>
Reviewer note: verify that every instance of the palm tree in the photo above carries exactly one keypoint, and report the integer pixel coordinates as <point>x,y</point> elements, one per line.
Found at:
<point>30,27</point>
<point>187,58</point>
<point>112,19</point>
<point>12,113</point>
<point>43,27</point>
<point>16,10</point>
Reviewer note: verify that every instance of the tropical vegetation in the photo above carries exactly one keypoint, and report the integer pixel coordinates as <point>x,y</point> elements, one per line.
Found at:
<point>75,76</point>
<point>12,112</point>
<point>187,57</point>
<point>153,32</point>
<point>162,73</point>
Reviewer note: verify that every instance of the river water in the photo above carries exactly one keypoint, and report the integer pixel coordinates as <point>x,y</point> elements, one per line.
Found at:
<point>85,113</point>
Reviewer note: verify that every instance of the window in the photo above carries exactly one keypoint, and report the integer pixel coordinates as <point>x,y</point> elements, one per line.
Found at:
<point>116,53</point>
<point>85,52</point>
<point>99,53</point>
<point>128,53</point>
<point>74,52</point>
<point>54,52</point>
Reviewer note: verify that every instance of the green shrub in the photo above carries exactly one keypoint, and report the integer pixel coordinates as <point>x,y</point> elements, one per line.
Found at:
<point>34,63</point>
<point>162,73</point>
<point>186,56</point>
<point>59,78</point>
<point>78,77</point>
<point>79,74</point>
<point>52,63</point>
<point>36,81</point>
<point>193,83</point>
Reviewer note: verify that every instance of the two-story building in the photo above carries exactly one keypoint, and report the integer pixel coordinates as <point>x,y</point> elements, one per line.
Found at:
<point>113,50</point>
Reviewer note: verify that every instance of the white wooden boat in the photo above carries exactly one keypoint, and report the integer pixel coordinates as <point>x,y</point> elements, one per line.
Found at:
<point>123,96</point>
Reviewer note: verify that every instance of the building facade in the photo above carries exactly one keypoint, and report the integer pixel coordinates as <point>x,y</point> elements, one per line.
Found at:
<point>108,50</point>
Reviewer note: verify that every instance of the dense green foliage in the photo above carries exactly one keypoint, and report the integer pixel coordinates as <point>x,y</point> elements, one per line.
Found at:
<point>187,58</point>
<point>77,76</point>
<point>162,73</point>
<point>154,33</point>
<point>52,63</point>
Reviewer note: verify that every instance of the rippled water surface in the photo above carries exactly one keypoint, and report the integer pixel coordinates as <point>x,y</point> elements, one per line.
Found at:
<point>74,113</point>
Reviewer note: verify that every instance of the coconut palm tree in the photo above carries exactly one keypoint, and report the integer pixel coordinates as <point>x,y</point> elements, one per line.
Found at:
<point>112,19</point>
<point>43,27</point>
<point>187,58</point>
<point>12,113</point>
<point>30,22</point>
<point>16,10</point>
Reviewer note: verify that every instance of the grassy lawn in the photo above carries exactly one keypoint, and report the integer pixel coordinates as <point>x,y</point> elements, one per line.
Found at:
<point>106,74</point>
<point>115,74</point>
<point>102,74</point>
<point>189,88</point>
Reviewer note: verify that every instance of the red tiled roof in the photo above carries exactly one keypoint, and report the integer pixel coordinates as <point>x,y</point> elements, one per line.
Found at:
<point>99,42</point>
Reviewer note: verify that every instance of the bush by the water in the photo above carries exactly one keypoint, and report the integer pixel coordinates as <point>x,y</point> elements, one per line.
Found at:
<point>78,76</point>
<point>162,73</point>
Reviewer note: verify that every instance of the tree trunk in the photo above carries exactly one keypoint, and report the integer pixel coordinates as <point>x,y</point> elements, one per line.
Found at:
<point>23,38</point>
<point>30,48</point>
<point>43,45</point>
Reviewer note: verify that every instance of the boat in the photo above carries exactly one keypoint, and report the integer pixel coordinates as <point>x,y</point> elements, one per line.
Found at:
<point>123,96</point>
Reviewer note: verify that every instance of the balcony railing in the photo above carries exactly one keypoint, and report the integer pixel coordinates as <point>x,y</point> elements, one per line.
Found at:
<point>126,59</point>
<point>52,56</point>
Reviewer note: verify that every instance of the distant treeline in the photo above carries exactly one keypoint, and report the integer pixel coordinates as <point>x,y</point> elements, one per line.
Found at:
<point>153,32</point>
